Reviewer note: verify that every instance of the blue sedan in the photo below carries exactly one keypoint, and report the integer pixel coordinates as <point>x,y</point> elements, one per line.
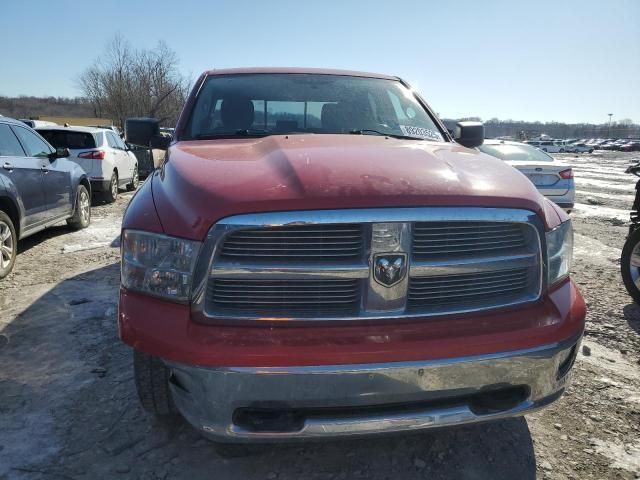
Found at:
<point>39,187</point>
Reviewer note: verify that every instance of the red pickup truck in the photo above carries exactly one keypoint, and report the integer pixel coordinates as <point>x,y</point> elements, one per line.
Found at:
<point>318,256</point>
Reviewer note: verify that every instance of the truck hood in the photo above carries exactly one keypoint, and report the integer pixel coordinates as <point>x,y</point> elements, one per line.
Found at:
<point>204,181</point>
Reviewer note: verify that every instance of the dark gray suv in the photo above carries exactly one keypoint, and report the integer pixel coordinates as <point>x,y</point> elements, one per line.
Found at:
<point>38,188</point>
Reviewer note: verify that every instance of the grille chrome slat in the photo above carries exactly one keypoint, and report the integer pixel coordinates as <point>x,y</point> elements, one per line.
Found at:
<point>466,239</point>
<point>434,291</point>
<point>469,292</point>
<point>300,243</point>
<point>439,286</point>
<point>269,297</point>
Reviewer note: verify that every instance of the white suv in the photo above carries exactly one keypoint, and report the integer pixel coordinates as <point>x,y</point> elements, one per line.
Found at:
<point>101,153</point>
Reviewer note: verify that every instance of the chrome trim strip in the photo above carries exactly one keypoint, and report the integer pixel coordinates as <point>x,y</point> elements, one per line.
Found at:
<point>377,215</point>
<point>472,265</point>
<point>226,269</point>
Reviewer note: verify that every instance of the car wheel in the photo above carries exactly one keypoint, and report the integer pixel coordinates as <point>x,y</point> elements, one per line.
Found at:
<point>544,149</point>
<point>112,194</point>
<point>82,213</point>
<point>562,150</point>
<point>135,180</point>
<point>8,245</point>
<point>152,383</point>
<point>630,265</point>
<point>591,150</point>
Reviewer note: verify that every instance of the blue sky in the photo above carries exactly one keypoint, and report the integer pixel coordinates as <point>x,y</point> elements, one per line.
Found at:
<point>570,60</point>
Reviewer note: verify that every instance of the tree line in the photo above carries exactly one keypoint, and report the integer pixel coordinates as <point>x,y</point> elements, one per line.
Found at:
<point>523,130</point>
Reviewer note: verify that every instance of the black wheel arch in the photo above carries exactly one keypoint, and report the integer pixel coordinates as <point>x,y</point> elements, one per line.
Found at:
<point>8,206</point>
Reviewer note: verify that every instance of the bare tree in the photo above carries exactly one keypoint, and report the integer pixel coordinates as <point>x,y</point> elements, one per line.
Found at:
<point>125,82</point>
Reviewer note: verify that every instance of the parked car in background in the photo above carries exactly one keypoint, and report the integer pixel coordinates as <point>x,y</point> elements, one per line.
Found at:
<point>144,156</point>
<point>101,153</point>
<point>552,178</point>
<point>39,187</point>
<point>552,146</point>
<point>579,148</point>
<point>633,146</point>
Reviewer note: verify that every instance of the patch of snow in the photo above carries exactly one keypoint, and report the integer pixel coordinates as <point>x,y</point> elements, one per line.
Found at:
<point>594,250</point>
<point>623,457</point>
<point>582,210</point>
<point>612,196</point>
<point>629,188</point>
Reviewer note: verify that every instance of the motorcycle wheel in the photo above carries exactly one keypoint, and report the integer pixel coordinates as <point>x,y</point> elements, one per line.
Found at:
<point>630,265</point>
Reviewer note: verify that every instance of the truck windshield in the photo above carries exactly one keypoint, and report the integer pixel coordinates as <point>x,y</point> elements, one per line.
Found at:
<point>270,104</point>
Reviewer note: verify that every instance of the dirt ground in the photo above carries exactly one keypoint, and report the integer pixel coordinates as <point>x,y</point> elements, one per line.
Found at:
<point>68,407</point>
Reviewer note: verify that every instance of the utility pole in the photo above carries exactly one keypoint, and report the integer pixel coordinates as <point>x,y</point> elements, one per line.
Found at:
<point>609,134</point>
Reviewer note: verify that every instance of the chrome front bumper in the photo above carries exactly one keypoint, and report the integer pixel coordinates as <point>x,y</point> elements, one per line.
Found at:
<point>265,404</point>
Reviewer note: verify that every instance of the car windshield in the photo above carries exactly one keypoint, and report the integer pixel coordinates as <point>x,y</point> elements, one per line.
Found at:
<point>516,152</point>
<point>266,104</point>
<point>72,140</point>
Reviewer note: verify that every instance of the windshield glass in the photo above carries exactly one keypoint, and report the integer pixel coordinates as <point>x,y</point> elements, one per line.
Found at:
<point>516,152</point>
<point>264,104</point>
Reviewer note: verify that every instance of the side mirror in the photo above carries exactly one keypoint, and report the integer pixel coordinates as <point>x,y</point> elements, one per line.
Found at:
<point>145,132</point>
<point>469,134</point>
<point>59,153</point>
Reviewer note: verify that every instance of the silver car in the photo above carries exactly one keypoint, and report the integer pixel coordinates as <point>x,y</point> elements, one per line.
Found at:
<point>552,178</point>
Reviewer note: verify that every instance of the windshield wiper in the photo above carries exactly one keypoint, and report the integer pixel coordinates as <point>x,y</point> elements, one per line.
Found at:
<point>364,131</point>
<point>242,132</point>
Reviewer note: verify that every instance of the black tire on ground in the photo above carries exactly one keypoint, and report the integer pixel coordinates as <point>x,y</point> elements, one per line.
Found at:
<point>111,195</point>
<point>82,213</point>
<point>135,180</point>
<point>562,150</point>
<point>152,383</point>
<point>625,265</point>
<point>8,245</point>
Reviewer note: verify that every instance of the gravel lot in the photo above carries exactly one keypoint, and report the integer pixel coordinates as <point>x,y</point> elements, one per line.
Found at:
<point>68,407</point>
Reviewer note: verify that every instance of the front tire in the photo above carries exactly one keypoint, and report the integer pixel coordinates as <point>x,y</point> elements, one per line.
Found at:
<point>135,180</point>
<point>8,245</point>
<point>82,213</point>
<point>630,265</point>
<point>111,195</point>
<point>152,383</point>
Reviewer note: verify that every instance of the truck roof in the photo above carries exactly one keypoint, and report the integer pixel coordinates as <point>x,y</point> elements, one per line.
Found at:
<point>315,71</point>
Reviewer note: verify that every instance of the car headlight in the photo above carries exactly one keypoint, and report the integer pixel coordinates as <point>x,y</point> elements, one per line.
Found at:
<point>559,252</point>
<point>158,265</point>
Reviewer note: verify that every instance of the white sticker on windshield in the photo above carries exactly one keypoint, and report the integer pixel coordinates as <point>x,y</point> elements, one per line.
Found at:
<point>420,132</point>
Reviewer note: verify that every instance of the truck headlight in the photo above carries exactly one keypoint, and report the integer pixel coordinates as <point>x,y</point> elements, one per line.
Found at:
<point>157,264</point>
<point>559,252</point>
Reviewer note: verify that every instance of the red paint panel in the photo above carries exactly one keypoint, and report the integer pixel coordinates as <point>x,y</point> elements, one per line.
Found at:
<point>204,181</point>
<point>165,329</point>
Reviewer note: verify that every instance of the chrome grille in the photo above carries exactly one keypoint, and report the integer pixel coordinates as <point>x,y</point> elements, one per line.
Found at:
<point>303,243</point>
<point>314,265</point>
<point>285,297</point>
<point>466,290</point>
<point>433,239</point>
